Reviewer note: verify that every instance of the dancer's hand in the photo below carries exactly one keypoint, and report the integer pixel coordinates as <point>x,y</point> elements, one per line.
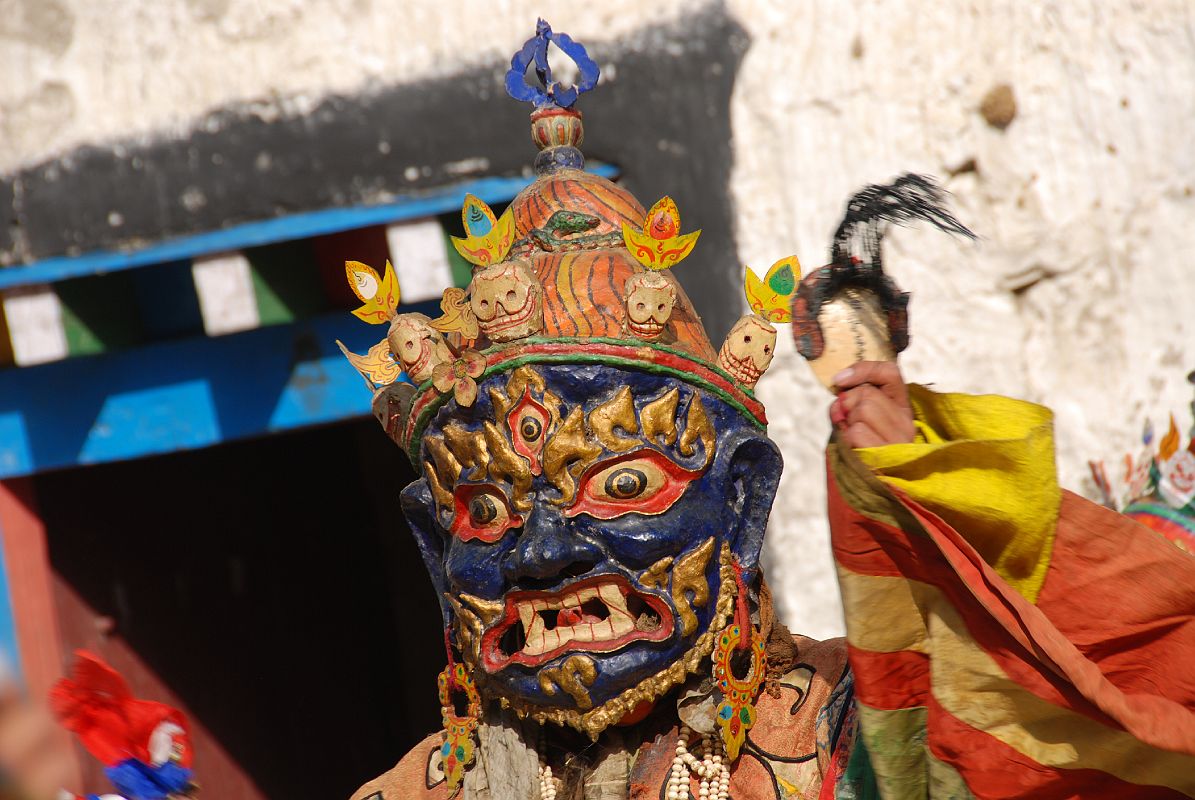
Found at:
<point>872,408</point>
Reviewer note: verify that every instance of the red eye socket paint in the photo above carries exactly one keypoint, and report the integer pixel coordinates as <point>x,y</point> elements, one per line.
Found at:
<point>482,512</point>
<point>641,482</point>
<point>528,424</point>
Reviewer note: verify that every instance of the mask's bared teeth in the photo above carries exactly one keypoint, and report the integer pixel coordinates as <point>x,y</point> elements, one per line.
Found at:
<point>535,636</point>
<point>588,593</point>
<point>572,600</point>
<point>613,599</point>
<point>621,623</point>
<point>526,612</point>
<point>604,630</point>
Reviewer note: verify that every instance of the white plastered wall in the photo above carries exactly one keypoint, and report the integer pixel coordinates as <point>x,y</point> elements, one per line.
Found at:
<point>1079,295</point>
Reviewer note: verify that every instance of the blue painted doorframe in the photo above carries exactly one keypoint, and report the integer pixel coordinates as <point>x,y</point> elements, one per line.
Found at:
<point>180,395</point>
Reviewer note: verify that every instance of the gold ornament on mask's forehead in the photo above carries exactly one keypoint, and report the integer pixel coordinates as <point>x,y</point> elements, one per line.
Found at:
<point>617,413</point>
<point>569,453</point>
<point>524,381</point>
<point>573,442</point>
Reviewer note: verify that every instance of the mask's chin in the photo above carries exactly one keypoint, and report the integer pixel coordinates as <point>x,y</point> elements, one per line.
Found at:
<point>589,653</point>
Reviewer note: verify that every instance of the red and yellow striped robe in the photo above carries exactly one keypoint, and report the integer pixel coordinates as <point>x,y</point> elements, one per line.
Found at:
<point>1008,639</point>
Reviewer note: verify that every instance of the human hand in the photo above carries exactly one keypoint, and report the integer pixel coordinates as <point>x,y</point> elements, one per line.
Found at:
<point>872,408</point>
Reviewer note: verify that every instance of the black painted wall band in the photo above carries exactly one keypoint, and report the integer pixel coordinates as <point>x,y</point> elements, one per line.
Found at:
<point>664,119</point>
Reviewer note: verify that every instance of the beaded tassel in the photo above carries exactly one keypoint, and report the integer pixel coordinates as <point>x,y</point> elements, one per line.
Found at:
<point>547,784</point>
<point>712,773</point>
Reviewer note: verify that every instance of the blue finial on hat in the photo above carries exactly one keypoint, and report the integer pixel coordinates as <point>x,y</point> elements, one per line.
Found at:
<point>549,94</point>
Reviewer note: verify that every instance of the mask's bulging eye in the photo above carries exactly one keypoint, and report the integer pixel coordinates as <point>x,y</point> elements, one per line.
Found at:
<point>482,512</point>
<point>641,482</point>
<point>482,509</point>
<point>625,483</point>
<point>531,428</point>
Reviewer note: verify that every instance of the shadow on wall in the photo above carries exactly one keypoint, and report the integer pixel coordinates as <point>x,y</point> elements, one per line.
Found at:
<point>272,589</point>
<point>662,115</point>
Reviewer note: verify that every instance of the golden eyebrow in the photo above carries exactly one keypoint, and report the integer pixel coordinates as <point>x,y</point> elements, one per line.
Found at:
<point>487,452</point>
<point>507,465</point>
<point>575,442</point>
<point>616,413</point>
<point>567,454</point>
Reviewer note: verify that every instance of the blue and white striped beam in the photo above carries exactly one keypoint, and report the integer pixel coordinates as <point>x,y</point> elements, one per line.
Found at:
<point>182,395</point>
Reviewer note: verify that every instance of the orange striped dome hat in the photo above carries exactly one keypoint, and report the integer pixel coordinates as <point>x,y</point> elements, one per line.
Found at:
<point>574,271</point>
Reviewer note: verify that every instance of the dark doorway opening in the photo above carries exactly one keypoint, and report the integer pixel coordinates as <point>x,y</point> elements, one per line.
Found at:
<point>272,588</point>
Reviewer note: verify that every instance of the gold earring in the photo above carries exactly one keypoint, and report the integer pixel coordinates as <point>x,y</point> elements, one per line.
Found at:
<point>456,754</point>
<point>736,712</point>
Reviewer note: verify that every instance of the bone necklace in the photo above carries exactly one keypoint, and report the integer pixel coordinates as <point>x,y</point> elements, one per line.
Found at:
<point>709,766</point>
<point>547,784</point>
<point>710,769</point>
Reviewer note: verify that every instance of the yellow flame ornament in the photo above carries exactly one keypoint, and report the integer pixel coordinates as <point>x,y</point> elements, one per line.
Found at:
<point>458,748</point>
<point>377,366</point>
<point>736,711</point>
<point>660,245</point>
<point>488,238</point>
<point>771,298</point>
<point>380,294</point>
<point>456,315</point>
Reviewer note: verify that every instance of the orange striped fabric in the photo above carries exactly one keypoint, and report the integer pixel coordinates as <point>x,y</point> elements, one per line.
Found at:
<point>967,688</point>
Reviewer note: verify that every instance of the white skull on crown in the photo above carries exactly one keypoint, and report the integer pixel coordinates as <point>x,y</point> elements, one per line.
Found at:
<point>650,298</point>
<point>748,349</point>
<point>507,300</point>
<point>417,345</point>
